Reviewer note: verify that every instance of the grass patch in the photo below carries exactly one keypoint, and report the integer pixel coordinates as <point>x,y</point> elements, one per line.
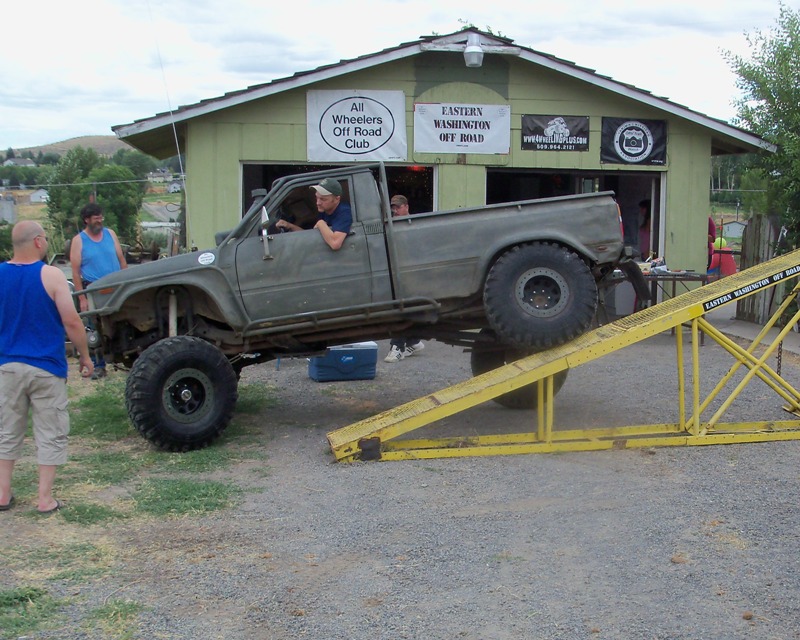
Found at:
<point>108,455</point>
<point>74,562</point>
<point>117,618</point>
<point>330,391</point>
<point>255,398</point>
<point>104,468</point>
<point>102,414</point>
<point>177,496</point>
<point>112,475</point>
<point>24,610</point>
<point>198,461</point>
<point>88,513</point>
<point>26,476</point>
<point>171,198</point>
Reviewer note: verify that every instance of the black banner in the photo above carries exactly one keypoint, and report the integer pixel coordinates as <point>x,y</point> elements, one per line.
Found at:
<point>626,141</point>
<point>555,133</point>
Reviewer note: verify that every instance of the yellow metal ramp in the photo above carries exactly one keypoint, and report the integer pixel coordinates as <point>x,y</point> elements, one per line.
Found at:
<point>376,437</point>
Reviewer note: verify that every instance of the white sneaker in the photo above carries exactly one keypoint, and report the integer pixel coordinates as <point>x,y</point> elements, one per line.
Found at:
<point>395,355</point>
<point>411,349</point>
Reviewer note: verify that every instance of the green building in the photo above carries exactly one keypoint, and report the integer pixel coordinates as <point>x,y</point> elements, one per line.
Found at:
<point>459,120</point>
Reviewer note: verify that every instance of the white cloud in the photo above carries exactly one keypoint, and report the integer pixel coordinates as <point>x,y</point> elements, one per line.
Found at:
<point>86,65</point>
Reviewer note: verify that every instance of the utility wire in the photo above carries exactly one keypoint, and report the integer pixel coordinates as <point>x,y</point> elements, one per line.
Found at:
<point>169,100</point>
<point>78,184</point>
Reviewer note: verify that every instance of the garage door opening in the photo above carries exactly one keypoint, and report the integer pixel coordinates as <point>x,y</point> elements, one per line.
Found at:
<point>413,181</point>
<point>630,189</point>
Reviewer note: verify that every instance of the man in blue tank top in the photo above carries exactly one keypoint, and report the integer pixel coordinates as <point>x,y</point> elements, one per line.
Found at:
<point>36,308</point>
<point>94,252</point>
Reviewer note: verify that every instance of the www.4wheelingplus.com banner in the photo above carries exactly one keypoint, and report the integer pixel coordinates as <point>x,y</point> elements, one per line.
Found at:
<point>555,133</point>
<point>627,141</point>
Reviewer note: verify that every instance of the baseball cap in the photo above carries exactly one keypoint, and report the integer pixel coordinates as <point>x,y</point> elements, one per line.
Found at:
<point>328,187</point>
<point>399,200</point>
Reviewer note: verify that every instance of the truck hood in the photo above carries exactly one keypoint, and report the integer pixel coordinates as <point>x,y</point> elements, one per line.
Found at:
<point>156,269</point>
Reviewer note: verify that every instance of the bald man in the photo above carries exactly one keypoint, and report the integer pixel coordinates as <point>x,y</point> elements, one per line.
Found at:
<point>36,309</point>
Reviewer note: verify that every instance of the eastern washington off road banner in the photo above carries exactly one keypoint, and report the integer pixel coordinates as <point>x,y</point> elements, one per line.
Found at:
<point>628,141</point>
<point>462,128</point>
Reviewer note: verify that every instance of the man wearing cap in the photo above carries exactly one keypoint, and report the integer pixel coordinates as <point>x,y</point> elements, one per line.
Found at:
<point>402,347</point>
<point>335,216</point>
<point>399,206</point>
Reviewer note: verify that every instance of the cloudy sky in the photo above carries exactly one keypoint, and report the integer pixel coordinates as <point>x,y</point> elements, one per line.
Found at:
<point>79,67</point>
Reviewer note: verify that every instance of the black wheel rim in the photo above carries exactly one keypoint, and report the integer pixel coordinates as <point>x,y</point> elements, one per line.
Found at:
<point>542,292</point>
<point>188,395</point>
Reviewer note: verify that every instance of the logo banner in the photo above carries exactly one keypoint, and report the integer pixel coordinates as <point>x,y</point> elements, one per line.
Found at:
<point>356,126</point>
<point>555,133</point>
<point>627,141</point>
<point>462,128</point>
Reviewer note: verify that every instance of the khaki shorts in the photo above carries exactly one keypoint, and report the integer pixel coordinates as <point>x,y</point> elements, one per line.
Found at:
<point>24,388</point>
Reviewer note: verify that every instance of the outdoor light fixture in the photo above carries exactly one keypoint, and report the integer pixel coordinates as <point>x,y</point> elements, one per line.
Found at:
<point>473,53</point>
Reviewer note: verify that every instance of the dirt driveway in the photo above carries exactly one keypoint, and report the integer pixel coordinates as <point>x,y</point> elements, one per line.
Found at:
<point>673,543</point>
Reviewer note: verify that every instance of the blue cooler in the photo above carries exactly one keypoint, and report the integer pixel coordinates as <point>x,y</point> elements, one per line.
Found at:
<point>346,362</point>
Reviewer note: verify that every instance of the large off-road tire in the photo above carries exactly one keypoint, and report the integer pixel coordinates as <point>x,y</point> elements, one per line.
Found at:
<point>485,357</point>
<point>181,393</point>
<point>539,296</point>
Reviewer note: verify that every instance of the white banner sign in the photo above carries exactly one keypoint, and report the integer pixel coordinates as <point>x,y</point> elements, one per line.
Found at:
<point>462,128</point>
<point>356,126</point>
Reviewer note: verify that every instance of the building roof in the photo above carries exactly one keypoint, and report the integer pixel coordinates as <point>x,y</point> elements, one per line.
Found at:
<point>19,162</point>
<point>154,134</point>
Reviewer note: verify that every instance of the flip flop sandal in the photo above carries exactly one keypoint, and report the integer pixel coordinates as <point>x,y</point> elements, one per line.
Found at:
<point>59,504</point>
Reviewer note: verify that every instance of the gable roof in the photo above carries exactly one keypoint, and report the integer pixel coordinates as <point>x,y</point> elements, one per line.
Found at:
<point>154,134</point>
<point>19,162</point>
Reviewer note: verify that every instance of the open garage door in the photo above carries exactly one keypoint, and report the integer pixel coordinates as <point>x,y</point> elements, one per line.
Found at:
<point>413,181</point>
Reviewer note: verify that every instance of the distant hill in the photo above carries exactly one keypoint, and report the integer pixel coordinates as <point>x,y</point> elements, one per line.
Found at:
<point>103,145</point>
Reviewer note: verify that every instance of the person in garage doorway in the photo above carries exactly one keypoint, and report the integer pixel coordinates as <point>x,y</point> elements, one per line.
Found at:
<point>335,216</point>
<point>402,347</point>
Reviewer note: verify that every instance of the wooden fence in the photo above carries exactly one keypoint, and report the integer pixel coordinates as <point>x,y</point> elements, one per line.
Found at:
<point>759,241</point>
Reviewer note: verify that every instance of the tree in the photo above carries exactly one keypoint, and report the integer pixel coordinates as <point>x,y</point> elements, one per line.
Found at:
<point>725,173</point>
<point>14,175</point>
<point>6,248</point>
<point>121,197</point>
<point>770,106</point>
<point>754,192</point>
<point>139,163</point>
<point>69,191</point>
<point>175,164</point>
<point>48,158</point>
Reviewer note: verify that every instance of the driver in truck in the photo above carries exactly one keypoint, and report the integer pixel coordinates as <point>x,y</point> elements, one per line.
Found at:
<point>335,216</point>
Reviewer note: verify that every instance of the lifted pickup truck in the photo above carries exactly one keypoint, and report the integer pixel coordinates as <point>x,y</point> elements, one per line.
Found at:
<point>502,280</point>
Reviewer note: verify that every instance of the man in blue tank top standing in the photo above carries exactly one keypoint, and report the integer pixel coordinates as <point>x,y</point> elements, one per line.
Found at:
<point>36,308</point>
<point>94,252</point>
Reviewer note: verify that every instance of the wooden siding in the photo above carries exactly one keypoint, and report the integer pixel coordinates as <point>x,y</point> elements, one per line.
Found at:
<point>274,130</point>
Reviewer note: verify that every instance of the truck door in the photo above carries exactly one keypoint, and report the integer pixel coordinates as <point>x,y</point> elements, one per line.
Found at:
<point>302,274</point>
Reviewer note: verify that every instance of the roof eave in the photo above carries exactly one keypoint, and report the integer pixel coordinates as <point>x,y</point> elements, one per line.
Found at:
<point>732,138</point>
<point>748,139</point>
<point>276,86</point>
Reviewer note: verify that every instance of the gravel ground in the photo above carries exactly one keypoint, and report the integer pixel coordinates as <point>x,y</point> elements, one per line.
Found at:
<point>671,543</point>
